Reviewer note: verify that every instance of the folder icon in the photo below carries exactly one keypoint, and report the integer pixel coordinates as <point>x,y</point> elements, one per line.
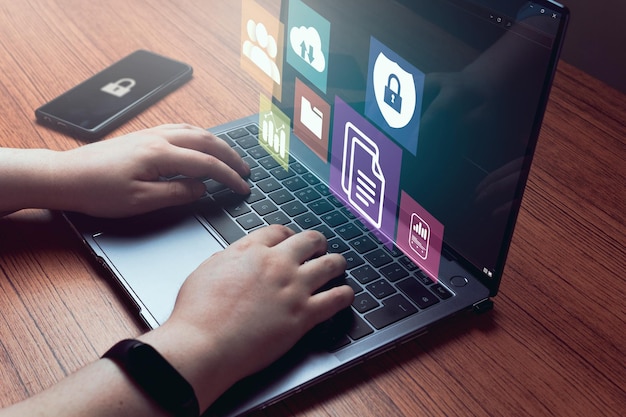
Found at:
<point>311,117</point>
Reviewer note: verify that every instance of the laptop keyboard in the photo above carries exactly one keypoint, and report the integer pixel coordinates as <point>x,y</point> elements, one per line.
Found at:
<point>388,286</point>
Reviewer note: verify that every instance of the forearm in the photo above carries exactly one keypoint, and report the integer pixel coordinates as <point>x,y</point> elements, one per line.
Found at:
<point>27,179</point>
<point>100,389</point>
<point>103,388</point>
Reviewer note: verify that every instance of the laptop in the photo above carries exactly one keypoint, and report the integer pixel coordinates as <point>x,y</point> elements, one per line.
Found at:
<point>403,130</point>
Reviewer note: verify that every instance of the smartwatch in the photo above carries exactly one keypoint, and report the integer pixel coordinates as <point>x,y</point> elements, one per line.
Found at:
<point>156,377</point>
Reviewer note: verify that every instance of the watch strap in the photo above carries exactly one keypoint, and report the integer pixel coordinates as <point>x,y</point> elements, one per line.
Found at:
<point>155,376</point>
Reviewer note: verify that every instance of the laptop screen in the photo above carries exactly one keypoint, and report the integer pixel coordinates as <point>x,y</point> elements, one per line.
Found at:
<point>422,115</point>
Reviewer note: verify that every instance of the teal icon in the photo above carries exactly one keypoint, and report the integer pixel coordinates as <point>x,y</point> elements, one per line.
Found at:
<point>308,41</point>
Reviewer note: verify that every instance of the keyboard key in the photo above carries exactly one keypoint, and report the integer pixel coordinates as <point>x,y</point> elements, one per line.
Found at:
<point>380,289</point>
<point>236,210</point>
<point>250,161</point>
<point>320,207</point>
<point>348,231</point>
<point>407,263</point>
<point>254,129</point>
<point>277,218</point>
<point>307,220</point>
<point>423,278</point>
<point>354,285</point>
<point>298,168</point>
<point>347,213</point>
<point>365,274</point>
<point>226,139</point>
<point>364,303</point>
<point>250,221</point>
<point>239,151</point>
<point>441,291</point>
<point>237,133</point>
<point>394,251</point>
<point>294,184</point>
<point>325,230</point>
<point>394,272</point>
<point>307,195</point>
<point>294,227</point>
<point>269,185</point>
<point>280,174</point>
<point>323,189</point>
<point>361,226</point>
<point>394,308</point>
<point>353,260</point>
<point>294,208</point>
<point>268,163</point>
<point>228,198</point>
<point>213,186</point>
<point>258,174</point>
<point>359,328</point>
<point>258,152</point>
<point>363,244</point>
<point>337,246</point>
<point>417,293</point>
<point>378,258</point>
<point>310,178</point>
<point>281,196</point>
<point>254,196</point>
<point>333,200</point>
<point>264,207</point>
<point>247,142</point>
<point>334,219</point>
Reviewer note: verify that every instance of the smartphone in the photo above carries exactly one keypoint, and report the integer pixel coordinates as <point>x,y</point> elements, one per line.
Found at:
<point>111,97</point>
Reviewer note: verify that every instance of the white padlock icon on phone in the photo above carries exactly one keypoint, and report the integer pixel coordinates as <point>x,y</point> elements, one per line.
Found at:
<point>120,87</point>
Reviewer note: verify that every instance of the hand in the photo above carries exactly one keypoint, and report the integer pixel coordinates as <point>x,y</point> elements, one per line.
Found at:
<point>123,176</point>
<point>246,306</point>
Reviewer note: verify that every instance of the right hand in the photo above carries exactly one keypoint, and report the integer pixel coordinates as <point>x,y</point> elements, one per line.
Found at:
<point>246,306</point>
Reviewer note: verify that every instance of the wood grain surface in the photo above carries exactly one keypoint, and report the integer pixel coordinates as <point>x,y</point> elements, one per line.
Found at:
<point>554,345</point>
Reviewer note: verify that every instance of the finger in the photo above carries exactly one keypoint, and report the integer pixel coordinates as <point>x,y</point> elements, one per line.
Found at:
<point>190,163</point>
<point>201,140</point>
<point>269,236</point>
<point>304,246</point>
<point>154,195</point>
<point>319,271</point>
<point>324,305</point>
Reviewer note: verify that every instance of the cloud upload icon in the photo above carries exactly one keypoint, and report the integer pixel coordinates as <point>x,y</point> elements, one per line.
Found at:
<point>307,44</point>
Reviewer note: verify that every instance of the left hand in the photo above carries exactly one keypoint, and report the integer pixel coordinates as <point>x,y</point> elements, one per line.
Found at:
<point>122,176</point>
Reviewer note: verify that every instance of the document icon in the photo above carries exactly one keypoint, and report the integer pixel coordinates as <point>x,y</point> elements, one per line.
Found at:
<point>365,168</point>
<point>362,178</point>
<point>311,117</point>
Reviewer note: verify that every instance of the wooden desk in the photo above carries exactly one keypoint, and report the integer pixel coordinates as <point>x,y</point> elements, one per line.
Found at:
<point>554,345</point>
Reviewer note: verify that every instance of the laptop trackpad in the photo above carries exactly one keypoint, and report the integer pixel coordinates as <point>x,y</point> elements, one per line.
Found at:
<point>154,261</point>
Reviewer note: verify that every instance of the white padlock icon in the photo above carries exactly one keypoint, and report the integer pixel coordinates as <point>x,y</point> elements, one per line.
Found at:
<point>120,87</point>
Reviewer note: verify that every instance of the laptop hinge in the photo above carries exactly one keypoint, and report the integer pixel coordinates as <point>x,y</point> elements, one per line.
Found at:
<point>483,306</point>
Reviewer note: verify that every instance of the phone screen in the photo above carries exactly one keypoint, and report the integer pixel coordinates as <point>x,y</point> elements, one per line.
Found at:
<point>110,97</point>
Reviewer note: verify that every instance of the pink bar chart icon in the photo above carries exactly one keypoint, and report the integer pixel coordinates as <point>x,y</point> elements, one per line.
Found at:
<point>419,236</point>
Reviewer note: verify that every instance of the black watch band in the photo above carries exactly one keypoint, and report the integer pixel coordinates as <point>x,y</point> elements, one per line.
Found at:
<point>156,377</point>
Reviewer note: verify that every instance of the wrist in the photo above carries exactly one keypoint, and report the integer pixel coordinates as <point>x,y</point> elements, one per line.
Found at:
<point>27,178</point>
<point>195,357</point>
<point>155,377</point>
